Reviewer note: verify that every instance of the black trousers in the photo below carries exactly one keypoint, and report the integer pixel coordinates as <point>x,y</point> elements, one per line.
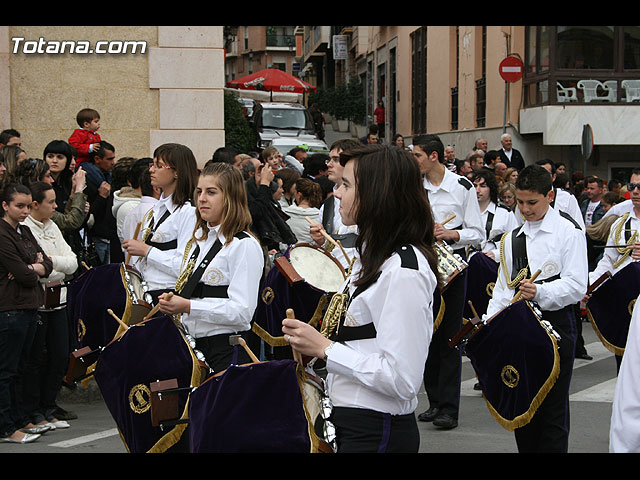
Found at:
<point>548,430</point>
<point>361,430</point>
<point>443,368</point>
<point>219,354</point>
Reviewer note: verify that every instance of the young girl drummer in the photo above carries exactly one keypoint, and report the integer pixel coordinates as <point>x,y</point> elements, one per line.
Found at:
<point>376,356</point>
<point>220,271</point>
<point>175,171</point>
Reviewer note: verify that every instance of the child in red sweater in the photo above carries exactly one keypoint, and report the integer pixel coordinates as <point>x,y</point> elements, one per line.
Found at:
<point>85,139</point>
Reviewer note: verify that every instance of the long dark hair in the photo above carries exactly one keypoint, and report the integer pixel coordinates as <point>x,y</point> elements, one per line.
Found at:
<point>392,207</point>
<point>182,159</point>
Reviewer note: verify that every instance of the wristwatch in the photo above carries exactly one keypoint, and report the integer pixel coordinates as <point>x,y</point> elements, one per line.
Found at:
<point>326,350</point>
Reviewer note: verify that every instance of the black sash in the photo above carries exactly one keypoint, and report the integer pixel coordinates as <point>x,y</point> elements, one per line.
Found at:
<point>344,334</point>
<point>161,246</point>
<point>327,214</point>
<point>489,224</point>
<point>520,259</point>
<point>194,289</point>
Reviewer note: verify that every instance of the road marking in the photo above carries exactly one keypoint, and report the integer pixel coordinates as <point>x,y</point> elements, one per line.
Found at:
<point>602,392</point>
<point>86,438</point>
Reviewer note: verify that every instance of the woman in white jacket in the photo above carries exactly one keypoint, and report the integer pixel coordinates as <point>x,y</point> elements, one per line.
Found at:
<point>308,196</point>
<point>49,356</point>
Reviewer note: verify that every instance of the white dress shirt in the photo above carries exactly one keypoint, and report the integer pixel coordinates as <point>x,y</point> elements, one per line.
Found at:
<point>136,215</point>
<point>240,266</point>
<point>503,222</point>
<point>385,373</point>
<point>624,433</point>
<point>611,255</point>
<point>452,197</point>
<point>157,268</point>
<point>620,208</point>
<point>555,246</point>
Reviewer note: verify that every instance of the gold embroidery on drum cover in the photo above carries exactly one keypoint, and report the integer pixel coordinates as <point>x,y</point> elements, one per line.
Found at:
<point>510,376</point>
<point>490,287</point>
<point>267,295</point>
<point>82,330</point>
<point>139,398</point>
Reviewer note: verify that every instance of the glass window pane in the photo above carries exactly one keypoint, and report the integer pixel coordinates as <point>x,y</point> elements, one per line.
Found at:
<point>532,43</point>
<point>585,47</point>
<point>631,48</point>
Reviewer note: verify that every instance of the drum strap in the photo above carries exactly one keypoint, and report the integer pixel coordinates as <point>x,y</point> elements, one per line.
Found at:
<point>194,289</point>
<point>347,240</point>
<point>408,259</point>
<point>327,214</point>
<point>152,228</point>
<point>489,224</point>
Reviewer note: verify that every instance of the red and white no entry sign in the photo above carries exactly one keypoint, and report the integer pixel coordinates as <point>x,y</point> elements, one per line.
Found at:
<point>511,69</point>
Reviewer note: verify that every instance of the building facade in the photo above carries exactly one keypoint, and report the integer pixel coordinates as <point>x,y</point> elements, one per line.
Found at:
<point>151,85</point>
<point>446,80</point>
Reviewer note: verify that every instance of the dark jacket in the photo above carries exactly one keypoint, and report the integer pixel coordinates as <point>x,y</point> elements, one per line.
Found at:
<point>105,223</point>
<point>18,250</point>
<point>598,213</point>
<point>269,222</point>
<point>516,159</point>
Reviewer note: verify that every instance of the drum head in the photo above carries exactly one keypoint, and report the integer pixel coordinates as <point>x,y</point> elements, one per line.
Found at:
<point>318,268</point>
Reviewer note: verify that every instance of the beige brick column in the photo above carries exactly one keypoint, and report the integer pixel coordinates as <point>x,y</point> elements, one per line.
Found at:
<point>187,67</point>
<point>5,83</point>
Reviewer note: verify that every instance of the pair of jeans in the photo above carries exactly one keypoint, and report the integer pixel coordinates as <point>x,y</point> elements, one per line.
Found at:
<point>17,330</point>
<point>103,249</point>
<point>47,365</point>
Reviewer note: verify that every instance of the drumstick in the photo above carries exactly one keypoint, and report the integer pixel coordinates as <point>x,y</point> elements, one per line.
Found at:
<point>330,239</point>
<point>110,312</point>
<point>238,340</point>
<point>155,309</point>
<point>135,237</point>
<point>296,354</point>
<point>473,310</point>
<point>448,219</point>
<point>519,294</point>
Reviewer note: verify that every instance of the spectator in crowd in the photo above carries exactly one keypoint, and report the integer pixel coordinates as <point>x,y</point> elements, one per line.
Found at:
<point>509,155</point>
<point>86,139</point>
<point>227,155</point>
<point>511,175</point>
<point>398,141</point>
<point>99,169</point>
<point>288,177</point>
<point>561,168</point>
<point>476,161</point>
<point>10,136</point>
<point>318,120</point>
<point>480,145</point>
<point>379,113</point>
<point>125,198</point>
<point>308,199</point>
<point>591,208</point>
<point>49,355</point>
<point>316,169</point>
<point>611,199</point>
<point>463,168</point>
<point>507,195</point>
<point>500,169</point>
<point>13,155</point>
<point>614,186</point>
<point>491,157</point>
<point>149,195</point>
<point>3,170</point>
<point>22,264</point>
<point>372,130</point>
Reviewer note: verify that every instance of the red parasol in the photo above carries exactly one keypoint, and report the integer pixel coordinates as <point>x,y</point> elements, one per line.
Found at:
<point>271,80</point>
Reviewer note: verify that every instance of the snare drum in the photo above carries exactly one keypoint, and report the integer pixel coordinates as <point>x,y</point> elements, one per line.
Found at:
<point>450,264</point>
<point>302,279</point>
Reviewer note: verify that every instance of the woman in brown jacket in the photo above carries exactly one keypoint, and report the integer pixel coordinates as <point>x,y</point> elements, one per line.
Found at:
<point>22,264</point>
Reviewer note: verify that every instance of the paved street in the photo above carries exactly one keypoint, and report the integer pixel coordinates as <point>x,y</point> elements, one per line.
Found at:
<point>593,383</point>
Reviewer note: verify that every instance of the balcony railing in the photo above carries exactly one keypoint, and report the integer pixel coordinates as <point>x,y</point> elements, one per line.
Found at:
<point>582,90</point>
<point>281,40</point>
